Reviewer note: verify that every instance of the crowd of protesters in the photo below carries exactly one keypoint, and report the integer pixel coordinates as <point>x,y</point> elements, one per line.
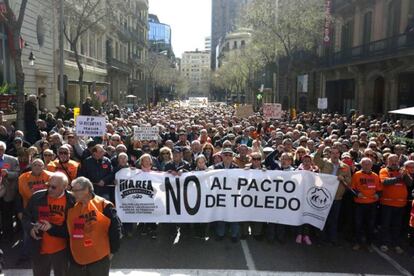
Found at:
<point>58,188</point>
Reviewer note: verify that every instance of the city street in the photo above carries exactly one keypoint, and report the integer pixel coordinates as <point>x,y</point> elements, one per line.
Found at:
<point>189,256</point>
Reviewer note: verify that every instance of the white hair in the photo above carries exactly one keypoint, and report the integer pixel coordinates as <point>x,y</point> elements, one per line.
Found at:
<point>4,145</point>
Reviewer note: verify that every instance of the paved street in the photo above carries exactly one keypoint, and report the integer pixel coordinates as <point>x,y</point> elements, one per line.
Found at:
<point>189,256</point>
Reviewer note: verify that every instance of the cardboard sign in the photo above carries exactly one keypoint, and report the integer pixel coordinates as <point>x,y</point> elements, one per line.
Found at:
<point>322,103</point>
<point>272,111</point>
<point>244,111</point>
<point>146,133</point>
<point>90,126</point>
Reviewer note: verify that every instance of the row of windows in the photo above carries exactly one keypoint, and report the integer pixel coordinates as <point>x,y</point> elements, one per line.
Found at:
<point>392,16</point>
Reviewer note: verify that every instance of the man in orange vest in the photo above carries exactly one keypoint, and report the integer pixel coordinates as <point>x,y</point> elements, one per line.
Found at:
<point>45,219</point>
<point>94,231</point>
<point>29,183</point>
<point>33,181</point>
<point>64,164</point>
<point>367,186</point>
<point>393,202</point>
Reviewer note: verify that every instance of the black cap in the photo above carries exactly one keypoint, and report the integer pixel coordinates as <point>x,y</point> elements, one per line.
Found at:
<point>91,144</point>
<point>177,150</point>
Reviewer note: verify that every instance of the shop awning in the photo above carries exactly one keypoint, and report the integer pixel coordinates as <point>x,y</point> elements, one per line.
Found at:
<point>404,111</point>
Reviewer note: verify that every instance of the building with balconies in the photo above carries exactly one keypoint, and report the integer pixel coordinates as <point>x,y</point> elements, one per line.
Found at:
<point>369,65</point>
<point>126,49</point>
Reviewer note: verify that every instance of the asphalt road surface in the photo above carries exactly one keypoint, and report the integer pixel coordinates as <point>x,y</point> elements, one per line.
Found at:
<point>187,255</point>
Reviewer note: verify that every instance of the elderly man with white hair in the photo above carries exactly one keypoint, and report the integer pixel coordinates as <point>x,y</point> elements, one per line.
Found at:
<point>45,219</point>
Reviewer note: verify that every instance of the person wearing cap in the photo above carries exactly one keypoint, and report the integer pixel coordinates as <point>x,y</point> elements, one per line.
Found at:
<point>366,186</point>
<point>220,226</point>
<point>171,135</point>
<point>61,113</point>
<point>177,165</point>
<point>182,139</point>
<point>64,164</point>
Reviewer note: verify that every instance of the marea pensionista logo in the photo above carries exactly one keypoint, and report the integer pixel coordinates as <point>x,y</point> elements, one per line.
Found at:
<point>319,198</point>
<point>136,188</point>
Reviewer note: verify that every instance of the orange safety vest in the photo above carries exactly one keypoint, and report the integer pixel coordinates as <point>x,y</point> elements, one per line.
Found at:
<point>29,184</point>
<point>70,168</point>
<point>88,231</point>
<point>366,184</point>
<point>393,195</point>
<point>51,244</point>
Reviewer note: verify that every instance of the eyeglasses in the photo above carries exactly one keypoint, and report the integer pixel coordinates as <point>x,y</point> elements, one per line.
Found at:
<point>64,153</point>
<point>115,140</point>
<point>52,187</point>
<point>47,155</point>
<point>78,190</point>
<point>165,153</point>
<point>257,159</point>
<point>228,155</point>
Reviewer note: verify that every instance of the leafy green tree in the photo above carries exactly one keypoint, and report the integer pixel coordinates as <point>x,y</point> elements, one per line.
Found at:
<point>284,28</point>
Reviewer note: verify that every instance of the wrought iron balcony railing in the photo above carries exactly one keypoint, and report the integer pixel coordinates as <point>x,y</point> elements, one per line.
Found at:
<point>384,48</point>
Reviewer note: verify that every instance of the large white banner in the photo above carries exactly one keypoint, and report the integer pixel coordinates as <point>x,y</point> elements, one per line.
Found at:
<point>292,198</point>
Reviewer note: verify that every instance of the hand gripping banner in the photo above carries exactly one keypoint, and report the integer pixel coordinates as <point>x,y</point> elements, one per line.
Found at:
<point>291,198</point>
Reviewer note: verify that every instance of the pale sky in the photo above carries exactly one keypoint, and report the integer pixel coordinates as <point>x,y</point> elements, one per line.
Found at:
<point>190,22</point>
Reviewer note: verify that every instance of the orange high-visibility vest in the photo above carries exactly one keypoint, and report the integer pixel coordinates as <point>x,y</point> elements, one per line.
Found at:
<point>29,184</point>
<point>51,244</point>
<point>393,195</point>
<point>89,231</point>
<point>366,184</point>
<point>70,168</point>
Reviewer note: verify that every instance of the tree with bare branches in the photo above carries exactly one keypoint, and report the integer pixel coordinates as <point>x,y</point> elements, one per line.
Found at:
<point>81,16</point>
<point>14,24</point>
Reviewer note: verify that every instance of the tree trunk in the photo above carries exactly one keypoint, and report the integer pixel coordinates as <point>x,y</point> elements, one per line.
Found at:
<point>19,81</point>
<point>80,78</point>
